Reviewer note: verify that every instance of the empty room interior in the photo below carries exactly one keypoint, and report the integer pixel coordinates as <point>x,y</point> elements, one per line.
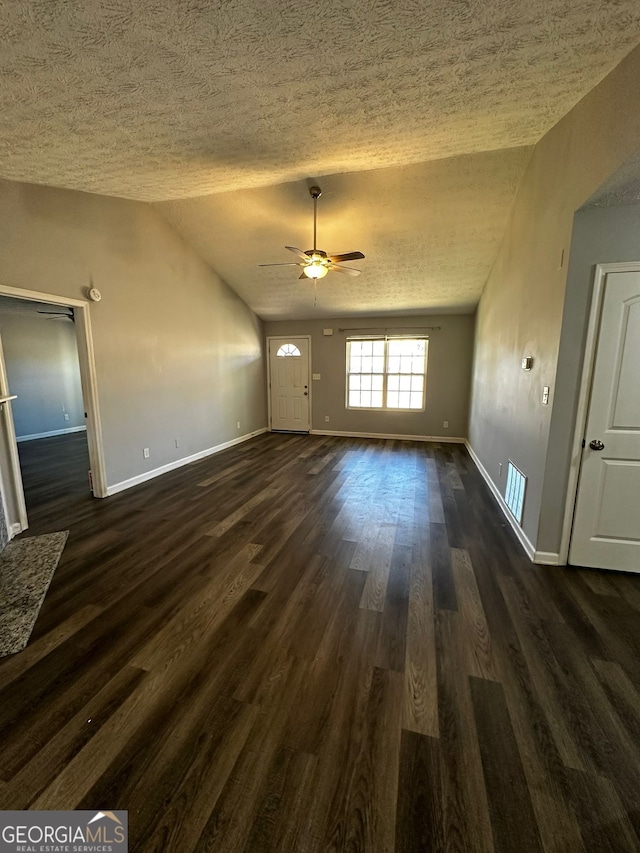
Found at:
<point>320,424</point>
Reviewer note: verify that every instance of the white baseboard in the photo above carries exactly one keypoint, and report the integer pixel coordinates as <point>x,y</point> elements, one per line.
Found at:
<point>522,536</point>
<point>50,433</point>
<point>14,530</point>
<point>548,558</point>
<point>179,463</point>
<point>439,438</point>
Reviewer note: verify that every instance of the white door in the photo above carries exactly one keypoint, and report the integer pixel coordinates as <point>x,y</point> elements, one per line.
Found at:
<point>606,527</point>
<point>289,383</point>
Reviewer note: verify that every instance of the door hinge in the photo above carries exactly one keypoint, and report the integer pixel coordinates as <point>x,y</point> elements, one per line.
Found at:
<point>584,443</point>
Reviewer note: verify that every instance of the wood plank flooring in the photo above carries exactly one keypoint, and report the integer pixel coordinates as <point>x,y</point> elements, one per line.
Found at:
<point>314,644</point>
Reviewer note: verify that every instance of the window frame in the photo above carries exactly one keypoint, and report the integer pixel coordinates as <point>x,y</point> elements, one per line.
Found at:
<point>385,374</point>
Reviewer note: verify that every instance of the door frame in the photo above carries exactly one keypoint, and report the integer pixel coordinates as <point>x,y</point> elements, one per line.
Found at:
<point>15,472</point>
<point>584,396</point>
<point>88,381</point>
<point>284,339</point>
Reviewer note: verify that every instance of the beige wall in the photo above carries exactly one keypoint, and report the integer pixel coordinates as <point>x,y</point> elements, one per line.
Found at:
<point>520,312</point>
<point>41,357</point>
<point>178,354</point>
<point>448,375</point>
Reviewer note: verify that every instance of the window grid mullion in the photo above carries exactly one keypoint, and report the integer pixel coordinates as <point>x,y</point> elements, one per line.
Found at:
<point>385,373</point>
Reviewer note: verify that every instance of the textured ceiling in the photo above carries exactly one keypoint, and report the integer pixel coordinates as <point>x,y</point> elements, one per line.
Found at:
<point>160,99</point>
<point>429,233</point>
<point>392,105</point>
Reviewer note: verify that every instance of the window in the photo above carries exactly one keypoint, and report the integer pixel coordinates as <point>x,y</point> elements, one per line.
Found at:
<point>288,350</point>
<point>386,373</point>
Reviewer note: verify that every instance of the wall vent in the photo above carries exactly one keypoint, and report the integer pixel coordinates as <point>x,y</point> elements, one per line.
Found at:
<point>514,492</point>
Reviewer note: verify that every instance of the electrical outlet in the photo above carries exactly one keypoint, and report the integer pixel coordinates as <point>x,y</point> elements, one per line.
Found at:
<point>326,419</point>
<point>237,424</point>
<point>177,442</point>
<point>445,424</point>
<point>66,416</point>
<point>145,453</point>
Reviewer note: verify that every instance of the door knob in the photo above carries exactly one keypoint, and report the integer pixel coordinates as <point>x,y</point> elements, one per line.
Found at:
<point>596,444</point>
<point>306,393</point>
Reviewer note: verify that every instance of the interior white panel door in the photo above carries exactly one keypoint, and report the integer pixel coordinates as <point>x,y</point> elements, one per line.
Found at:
<point>606,527</point>
<point>289,379</point>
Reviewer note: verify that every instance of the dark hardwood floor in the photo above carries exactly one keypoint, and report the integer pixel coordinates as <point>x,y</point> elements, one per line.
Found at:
<point>55,474</point>
<point>315,644</point>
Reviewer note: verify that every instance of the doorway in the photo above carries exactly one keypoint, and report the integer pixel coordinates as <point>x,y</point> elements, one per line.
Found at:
<point>289,392</point>
<point>41,360</point>
<point>11,479</point>
<point>606,522</point>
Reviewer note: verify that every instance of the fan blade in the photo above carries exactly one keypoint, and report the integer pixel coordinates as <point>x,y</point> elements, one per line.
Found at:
<point>292,264</point>
<point>347,270</point>
<point>346,256</point>
<point>298,252</point>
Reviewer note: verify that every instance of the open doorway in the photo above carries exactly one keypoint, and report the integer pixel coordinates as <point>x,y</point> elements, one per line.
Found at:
<point>43,373</point>
<point>50,436</point>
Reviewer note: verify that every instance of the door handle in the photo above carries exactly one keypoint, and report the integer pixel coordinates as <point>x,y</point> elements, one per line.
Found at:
<point>596,444</point>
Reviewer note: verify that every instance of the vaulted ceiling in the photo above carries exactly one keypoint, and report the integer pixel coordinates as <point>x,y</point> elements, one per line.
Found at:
<point>415,116</point>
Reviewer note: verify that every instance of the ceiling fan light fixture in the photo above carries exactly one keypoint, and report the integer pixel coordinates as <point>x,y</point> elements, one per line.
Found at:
<point>316,270</point>
<point>315,262</point>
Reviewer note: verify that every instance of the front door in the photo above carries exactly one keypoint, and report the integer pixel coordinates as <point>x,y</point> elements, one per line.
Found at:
<point>289,384</point>
<point>606,526</point>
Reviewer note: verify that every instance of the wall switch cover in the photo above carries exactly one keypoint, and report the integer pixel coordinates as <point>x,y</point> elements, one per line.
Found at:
<point>327,331</point>
<point>315,376</point>
<point>545,395</point>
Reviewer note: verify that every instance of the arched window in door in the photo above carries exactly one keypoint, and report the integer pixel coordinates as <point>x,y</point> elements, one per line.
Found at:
<point>288,350</point>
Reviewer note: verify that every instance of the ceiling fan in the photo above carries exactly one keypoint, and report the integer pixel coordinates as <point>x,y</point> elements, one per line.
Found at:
<point>59,315</point>
<point>314,262</point>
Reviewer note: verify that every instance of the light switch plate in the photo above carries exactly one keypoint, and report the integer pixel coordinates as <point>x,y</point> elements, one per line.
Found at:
<point>315,376</point>
<point>327,331</point>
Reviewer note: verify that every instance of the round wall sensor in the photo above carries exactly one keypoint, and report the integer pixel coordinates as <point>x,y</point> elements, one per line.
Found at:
<point>94,294</point>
